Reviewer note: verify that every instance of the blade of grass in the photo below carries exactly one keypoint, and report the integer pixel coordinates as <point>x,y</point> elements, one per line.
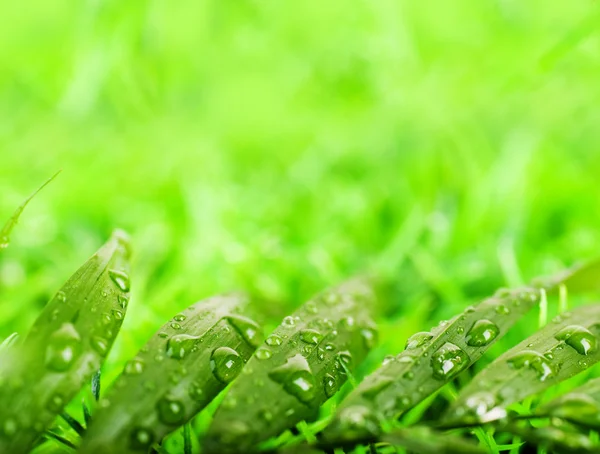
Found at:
<point>12,222</point>
<point>433,358</point>
<point>554,440</point>
<point>174,376</point>
<point>65,346</point>
<point>60,439</point>
<point>560,350</point>
<point>73,423</point>
<point>299,368</point>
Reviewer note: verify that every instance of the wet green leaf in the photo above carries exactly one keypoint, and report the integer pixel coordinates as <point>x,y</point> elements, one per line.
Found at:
<point>174,376</point>
<point>560,350</point>
<point>426,441</point>
<point>65,346</point>
<point>301,365</point>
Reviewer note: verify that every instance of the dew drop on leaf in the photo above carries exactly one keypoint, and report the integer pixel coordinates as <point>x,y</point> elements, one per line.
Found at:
<point>61,296</point>
<point>120,278</point>
<point>535,361</point>
<point>141,438</point>
<point>296,378</point>
<point>247,328</point>
<point>180,345</point>
<point>179,318</point>
<point>502,309</point>
<point>64,345</point>
<point>418,340</point>
<point>170,411</point>
<point>273,340</point>
<point>579,338</point>
<point>225,364</point>
<point>482,333</point>
<point>134,366</point>
<point>310,336</point>
<point>330,385</point>
<point>100,345</point>
<point>263,353</point>
<point>448,361</point>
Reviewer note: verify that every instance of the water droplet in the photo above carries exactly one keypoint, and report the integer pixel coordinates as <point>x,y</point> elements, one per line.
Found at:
<point>263,353</point>
<point>273,340</point>
<point>123,301</point>
<point>250,331</point>
<point>180,345</point>
<point>170,411</point>
<point>347,322</point>
<point>418,340</point>
<point>533,360</point>
<point>61,296</point>
<point>369,336</point>
<point>296,378</point>
<point>134,366</point>
<point>460,330</point>
<point>579,338</point>
<point>482,333</point>
<point>448,361</point>
<point>100,345</point>
<point>409,375</point>
<point>345,357</point>
<point>64,345</point>
<point>141,438</point>
<point>4,241</point>
<point>388,359</point>
<point>266,415</point>
<point>120,278</point>
<point>330,384</point>
<point>225,364</point>
<point>329,347</point>
<point>179,318</point>
<point>175,325</point>
<point>529,296</point>
<point>480,408</point>
<point>311,307</point>
<point>502,292</point>
<point>310,336</point>
<point>502,309</point>
<point>288,322</point>
<point>196,392</point>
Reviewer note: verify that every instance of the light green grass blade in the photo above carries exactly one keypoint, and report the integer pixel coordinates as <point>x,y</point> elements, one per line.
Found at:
<point>302,364</point>
<point>65,346</point>
<point>10,224</point>
<point>426,441</point>
<point>174,376</point>
<point>579,406</point>
<point>558,351</point>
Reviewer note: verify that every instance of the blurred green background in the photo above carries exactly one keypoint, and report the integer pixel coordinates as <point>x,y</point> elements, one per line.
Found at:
<point>279,147</point>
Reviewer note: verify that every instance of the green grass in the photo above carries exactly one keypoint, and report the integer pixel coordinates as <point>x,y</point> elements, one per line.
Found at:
<point>278,149</point>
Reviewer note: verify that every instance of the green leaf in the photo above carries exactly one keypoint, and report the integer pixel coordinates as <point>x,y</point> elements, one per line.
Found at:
<point>65,346</point>
<point>174,376</point>
<point>426,441</point>
<point>580,406</point>
<point>430,360</point>
<point>560,350</point>
<point>302,364</point>
<point>10,224</point>
<point>433,358</point>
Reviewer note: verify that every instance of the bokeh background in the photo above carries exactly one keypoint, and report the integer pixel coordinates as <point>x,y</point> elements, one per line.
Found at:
<point>448,148</point>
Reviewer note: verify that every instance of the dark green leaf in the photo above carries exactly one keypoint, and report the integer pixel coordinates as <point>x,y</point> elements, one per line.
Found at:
<point>560,350</point>
<point>65,346</point>
<point>174,376</point>
<point>302,364</point>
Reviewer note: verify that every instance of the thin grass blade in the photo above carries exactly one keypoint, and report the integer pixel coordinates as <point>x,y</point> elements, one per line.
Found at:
<point>174,376</point>
<point>431,359</point>
<point>554,439</point>
<point>12,222</point>
<point>65,346</point>
<point>560,350</point>
<point>302,364</point>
